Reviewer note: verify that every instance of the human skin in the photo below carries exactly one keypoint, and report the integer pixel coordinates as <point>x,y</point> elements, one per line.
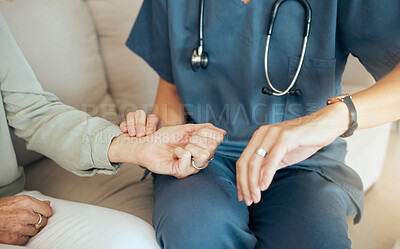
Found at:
<point>18,214</point>
<point>168,151</point>
<point>293,141</point>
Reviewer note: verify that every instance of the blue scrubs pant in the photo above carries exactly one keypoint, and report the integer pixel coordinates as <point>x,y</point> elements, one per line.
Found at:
<point>300,210</point>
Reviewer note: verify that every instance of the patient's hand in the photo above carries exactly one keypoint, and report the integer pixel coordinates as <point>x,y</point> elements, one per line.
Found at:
<point>138,124</point>
<point>18,214</point>
<point>170,150</point>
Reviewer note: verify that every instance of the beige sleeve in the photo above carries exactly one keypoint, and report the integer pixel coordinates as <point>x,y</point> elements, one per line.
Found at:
<point>73,139</point>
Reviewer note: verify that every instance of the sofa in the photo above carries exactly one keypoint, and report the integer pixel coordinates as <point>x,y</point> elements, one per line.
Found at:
<point>77,50</point>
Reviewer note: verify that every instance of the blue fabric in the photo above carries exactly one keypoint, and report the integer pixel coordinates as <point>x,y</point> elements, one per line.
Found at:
<point>300,210</point>
<point>228,93</point>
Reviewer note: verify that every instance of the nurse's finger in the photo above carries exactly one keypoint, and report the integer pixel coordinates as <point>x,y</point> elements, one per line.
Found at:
<point>123,126</point>
<point>152,124</point>
<point>131,124</point>
<point>242,164</point>
<point>200,156</point>
<point>140,118</point>
<point>272,164</point>
<point>256,162</point>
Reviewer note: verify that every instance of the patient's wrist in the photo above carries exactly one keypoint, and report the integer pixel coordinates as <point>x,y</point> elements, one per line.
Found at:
<point>123,149</point>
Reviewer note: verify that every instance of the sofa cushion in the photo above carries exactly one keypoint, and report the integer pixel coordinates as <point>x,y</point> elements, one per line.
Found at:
<point>132,82</point>
<point>59,40</point>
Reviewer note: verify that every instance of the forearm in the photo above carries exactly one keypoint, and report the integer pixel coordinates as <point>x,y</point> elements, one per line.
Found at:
<point>73,139</point>
<point>168,105</point>
<point>376,105</point>
<point>380,103</point>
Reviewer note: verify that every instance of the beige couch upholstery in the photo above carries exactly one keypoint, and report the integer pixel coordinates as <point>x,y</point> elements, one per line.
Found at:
<point>77,49</point>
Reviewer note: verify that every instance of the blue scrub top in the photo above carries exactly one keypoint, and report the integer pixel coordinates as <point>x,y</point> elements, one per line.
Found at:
<point>228,93</point>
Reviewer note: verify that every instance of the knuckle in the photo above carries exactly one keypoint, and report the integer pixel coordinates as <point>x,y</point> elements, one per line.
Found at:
<point>153,116</point>
<point>179,176</point>
<point>263,128</point>
<point>239,164</point>
<point>211,146</point>
<point>219,138</point>
<point>285,134</point>
<point>257,132</point>
<point>140,114</point>
<point>24,215</point>
<point>274,129</point>
<point>204,156</point>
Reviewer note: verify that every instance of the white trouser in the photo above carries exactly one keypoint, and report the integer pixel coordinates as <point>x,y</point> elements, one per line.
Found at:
<point>81,226</point>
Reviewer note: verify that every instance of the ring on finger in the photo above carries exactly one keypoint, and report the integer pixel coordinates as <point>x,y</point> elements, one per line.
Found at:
<point>261,152</point>
<point>38,225</point>
<point>198,168</point>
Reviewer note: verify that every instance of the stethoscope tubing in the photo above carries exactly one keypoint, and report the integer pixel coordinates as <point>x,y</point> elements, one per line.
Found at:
<point>294,80</point>
<point>197,56</point>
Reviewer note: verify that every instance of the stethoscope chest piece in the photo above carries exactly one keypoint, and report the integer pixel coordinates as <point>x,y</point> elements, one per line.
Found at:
<point>199,59</point>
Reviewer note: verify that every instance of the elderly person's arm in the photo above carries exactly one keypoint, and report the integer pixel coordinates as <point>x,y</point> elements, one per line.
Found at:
<point>72,138</point>
<point>80,143</point>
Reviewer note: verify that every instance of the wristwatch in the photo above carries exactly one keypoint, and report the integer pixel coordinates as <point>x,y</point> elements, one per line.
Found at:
<point>346,98</point>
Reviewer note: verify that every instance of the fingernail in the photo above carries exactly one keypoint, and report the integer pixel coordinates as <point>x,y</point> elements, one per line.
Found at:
<point>149,130</point>
<point>248,201</point>
<point>255,198</point>
<point>124,128</point>
<point>132,132</point>
<point>263,186</point>
<point>140,132</point>
<point>240,196</point>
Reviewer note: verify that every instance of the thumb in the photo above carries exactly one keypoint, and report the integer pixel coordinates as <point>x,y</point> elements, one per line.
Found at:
<point>183,163</point>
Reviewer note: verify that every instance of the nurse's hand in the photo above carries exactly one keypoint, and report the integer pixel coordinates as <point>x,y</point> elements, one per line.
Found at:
<point>286,143</point>
<point>138,124</point>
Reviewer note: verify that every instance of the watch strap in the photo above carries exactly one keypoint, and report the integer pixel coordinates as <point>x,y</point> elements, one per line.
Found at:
<point>353,117</point>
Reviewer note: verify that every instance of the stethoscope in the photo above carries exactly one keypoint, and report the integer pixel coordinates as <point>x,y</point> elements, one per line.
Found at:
<point>200,57</point>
